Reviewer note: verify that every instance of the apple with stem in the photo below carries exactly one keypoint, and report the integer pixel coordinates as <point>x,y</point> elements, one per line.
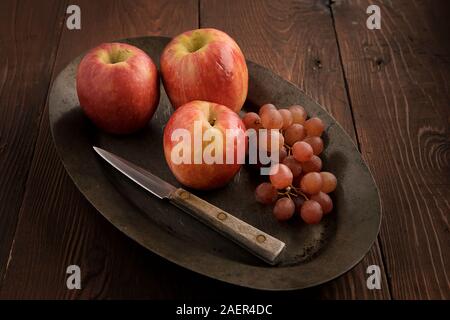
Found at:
<point>118,87</point>
<point>204,144</point>
<point>205,64</point>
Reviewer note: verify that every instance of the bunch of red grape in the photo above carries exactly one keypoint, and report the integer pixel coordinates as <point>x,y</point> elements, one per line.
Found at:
<point>297,183</point>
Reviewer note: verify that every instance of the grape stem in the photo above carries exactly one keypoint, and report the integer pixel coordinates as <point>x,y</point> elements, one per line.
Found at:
<point>292,191</point>
<point>289,149</point>
<point>299,192</point>
<point>285,193</point>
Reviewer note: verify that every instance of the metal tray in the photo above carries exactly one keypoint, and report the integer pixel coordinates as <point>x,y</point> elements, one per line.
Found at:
<point>315,253</point>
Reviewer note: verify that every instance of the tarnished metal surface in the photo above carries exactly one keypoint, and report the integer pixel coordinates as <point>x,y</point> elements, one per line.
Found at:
<point>314,254</point>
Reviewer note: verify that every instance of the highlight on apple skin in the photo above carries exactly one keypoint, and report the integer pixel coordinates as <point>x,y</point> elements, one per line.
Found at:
<point>205,64</point>
<point>118,87</point>
<point>214,118</point>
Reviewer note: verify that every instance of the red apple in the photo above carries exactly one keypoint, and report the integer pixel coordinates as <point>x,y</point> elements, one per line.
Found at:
<point>196,120</point>
<point>118,87</point>
<point>205,64</point>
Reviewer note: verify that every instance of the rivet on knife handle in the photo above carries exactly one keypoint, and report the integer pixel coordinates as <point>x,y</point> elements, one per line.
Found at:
<point>256,241</point>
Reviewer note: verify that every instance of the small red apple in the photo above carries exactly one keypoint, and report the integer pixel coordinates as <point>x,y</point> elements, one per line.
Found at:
<point>205,64</point>
<point>192,132</point>
<point>118,87</point>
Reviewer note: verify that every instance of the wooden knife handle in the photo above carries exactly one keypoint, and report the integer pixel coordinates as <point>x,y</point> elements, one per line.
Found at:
<point>254,240</point>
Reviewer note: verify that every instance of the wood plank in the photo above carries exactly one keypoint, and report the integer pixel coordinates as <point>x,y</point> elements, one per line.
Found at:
<point>297,41</point>
<point>399,79</point>
<point>57,226</point>
<point>28,44</point>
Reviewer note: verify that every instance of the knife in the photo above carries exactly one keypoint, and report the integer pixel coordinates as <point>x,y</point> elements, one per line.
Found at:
<point>250,238</point>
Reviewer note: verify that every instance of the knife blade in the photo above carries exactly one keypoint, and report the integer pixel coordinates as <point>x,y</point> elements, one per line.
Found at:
<point>143,178</point>
<point>255,241</point>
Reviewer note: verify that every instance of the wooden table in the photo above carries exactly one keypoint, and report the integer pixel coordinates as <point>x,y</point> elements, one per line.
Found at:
<point>389,88</point>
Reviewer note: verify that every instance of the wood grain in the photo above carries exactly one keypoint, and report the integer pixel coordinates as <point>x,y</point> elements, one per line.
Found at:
<point>28,44</point>
<point>297,41</point>
<point>398,79</point>
<point>57,226</point>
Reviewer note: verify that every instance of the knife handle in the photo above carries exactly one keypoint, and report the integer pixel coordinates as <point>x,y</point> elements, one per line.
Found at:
<point>254,240</point>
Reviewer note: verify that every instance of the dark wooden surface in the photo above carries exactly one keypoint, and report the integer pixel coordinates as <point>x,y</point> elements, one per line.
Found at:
<point>389,89</point>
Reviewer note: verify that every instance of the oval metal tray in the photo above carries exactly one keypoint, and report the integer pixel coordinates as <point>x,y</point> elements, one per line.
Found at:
<point>314,254</point>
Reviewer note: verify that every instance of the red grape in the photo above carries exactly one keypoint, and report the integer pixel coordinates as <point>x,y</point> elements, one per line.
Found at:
<point>314,127</point>
<point>316,143</point>
<point>271,134</point>
<point>266,193</point>
<point>311,212</point>
<point>295,132</point>
<point>287,118</point>
<point>296,180</point>
<point>299,164</point>
<point>329,182</point>
<point>271,119</point>
<point>284,209</point>
<point>302,151</point>
<point>311,183</point>
<point>294,165</point>
<point>280,176</point>
<point>283,154</point>
<point>324,200</point>
<point>298,114</point>
<point>313,165</point>
<point>280,140</point>
<point>252,121</point>
<point>266,107</point>
<point>298,201</point>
